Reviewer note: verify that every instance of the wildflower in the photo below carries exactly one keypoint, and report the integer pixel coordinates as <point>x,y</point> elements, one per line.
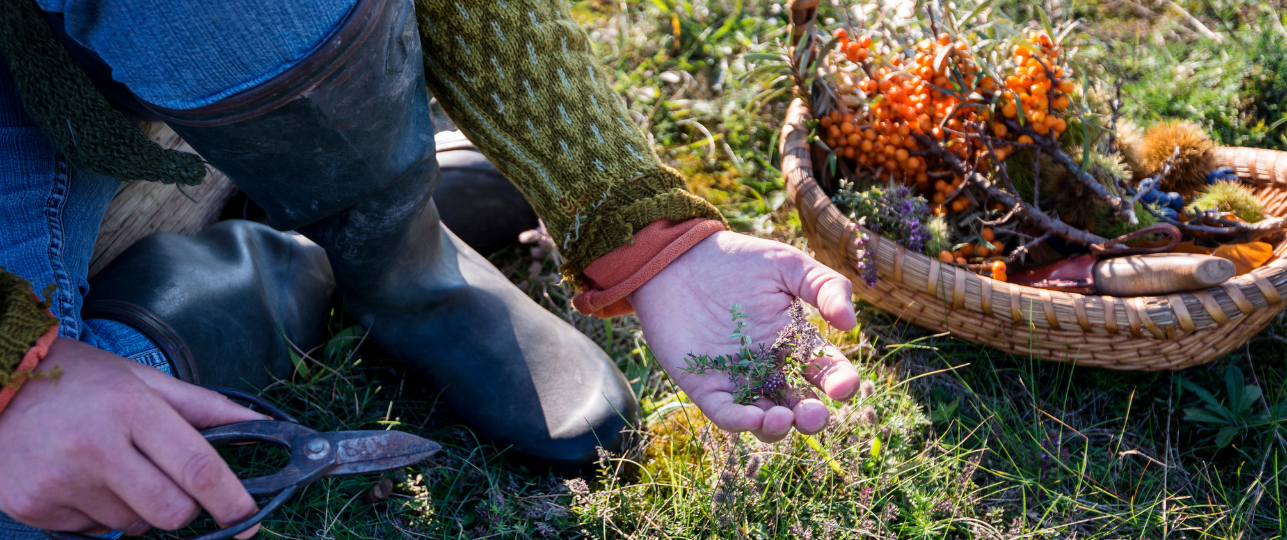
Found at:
<point>753,466</point>
<point>867,388</point>
<point>869,415</point>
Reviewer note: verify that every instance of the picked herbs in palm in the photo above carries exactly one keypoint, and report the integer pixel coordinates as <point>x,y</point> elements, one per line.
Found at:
<point>771,372</point>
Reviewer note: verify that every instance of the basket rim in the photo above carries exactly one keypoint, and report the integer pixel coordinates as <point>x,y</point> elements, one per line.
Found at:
<point>1160,317</point>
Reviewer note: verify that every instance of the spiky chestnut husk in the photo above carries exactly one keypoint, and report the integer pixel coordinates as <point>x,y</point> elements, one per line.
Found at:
<point>1230,197</point>
<point>1195,160</point>
<point>1129,136</point>
<point>1110,226</point>
<point>940,236</point>
<point>1075,204</point>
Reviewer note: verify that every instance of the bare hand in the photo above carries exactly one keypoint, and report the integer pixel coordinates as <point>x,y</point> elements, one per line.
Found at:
<point>685,308</point>
<point>111,444</point>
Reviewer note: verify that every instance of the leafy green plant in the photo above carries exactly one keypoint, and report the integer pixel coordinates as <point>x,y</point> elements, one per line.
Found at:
<point>766,372</point>
<point>1237,413</point>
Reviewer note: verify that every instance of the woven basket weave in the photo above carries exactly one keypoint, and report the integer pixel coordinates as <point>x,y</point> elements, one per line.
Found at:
<point>1147,333</point>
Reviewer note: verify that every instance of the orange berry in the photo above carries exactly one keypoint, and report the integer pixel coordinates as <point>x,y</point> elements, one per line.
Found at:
<point>988,234</point>
<point>946,256</point>
<point>961,261</point>
<point>865,41</point>
<point>825,122</point>
<point>999,277</point>
<point>1062,102</point>
<point>1051,122</point>
<point>998,246</point>
<point>851,51</point>
<point>840,33</point>
<point>901,155</point>
<point>944,39</point>
<point>967,250</point>
<point>960,204</point>
<point>846,128</point>
<point>940,198</point>
<point>1010,110</point>
<point>1060,125</point>
<point>999,129</point>
<point>985,251</point>
<point>1067,86</point>
<point>1040,129</point>
<point>1024,139</point>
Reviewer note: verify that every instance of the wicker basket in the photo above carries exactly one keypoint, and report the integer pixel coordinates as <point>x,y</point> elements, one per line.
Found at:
<point>1141,333</point>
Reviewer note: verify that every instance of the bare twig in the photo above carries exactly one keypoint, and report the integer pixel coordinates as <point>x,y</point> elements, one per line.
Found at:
<point>1050,147</point>
<point>1034,215</point>
<point>1194,22</point>
<point>1023,250</point>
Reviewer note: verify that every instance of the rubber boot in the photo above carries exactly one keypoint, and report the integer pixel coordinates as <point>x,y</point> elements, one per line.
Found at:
<point>340,148</point>
<point>475,200</point>
<point>225,306</point>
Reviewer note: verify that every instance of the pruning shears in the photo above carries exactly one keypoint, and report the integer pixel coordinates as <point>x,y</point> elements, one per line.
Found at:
<point>313,455</point>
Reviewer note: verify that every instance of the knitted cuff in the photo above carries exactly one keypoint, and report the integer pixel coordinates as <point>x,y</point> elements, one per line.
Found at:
<point>27,366</point>
<point>611,278</point>
<point>27,329</point>
<point>23,321</point>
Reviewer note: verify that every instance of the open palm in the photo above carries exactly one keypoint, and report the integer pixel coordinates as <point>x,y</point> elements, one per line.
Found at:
<point>685,309</point>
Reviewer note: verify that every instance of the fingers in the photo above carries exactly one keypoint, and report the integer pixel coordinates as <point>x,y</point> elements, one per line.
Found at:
<point>106,509</point>
<point>198,406</point>
<point>777,424</point>
<point>728,415</point>
<point>822,287</point>
<point>188,460</point>
<point>833,374</point>
<point>151,494</point>
<point>811,415</point>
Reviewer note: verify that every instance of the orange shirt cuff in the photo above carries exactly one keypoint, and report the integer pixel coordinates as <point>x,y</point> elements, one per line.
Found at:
<point>612,277</point>
<point>28,364</point>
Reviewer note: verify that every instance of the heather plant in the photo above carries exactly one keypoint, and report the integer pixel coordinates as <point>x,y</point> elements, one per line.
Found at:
<point>766,372</point>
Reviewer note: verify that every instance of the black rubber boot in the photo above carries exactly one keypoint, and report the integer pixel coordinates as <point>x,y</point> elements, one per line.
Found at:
<point>475,200</point>
<point>341,148</point>
<point>225,306</point>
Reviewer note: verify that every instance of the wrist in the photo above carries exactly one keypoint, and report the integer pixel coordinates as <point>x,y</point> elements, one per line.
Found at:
<point>612,279</point>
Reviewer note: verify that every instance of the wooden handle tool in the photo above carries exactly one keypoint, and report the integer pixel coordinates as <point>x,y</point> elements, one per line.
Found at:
<point>1161,273</point>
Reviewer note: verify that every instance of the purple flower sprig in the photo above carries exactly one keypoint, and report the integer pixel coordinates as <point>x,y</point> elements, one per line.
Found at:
<point>892,212</point>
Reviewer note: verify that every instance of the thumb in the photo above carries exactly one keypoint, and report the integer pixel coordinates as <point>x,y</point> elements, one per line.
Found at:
<point>824,288</point>
<point>200,407</point>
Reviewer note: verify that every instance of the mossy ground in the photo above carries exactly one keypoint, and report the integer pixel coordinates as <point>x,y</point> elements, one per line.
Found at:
<point>956,441</point>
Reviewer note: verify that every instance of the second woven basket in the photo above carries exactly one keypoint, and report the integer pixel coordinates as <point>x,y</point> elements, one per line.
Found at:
<point>1146,333</point>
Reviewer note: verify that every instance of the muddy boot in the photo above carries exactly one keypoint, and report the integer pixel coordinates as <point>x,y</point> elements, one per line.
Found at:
<point>341,149</point>
<point>475,200</point>
<point>225,306</point>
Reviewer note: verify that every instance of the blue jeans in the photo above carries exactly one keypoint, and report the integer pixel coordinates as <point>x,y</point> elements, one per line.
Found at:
<point>178,54</point>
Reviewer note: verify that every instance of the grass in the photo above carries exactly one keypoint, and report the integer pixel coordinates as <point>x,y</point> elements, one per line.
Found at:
<point>952,441</point>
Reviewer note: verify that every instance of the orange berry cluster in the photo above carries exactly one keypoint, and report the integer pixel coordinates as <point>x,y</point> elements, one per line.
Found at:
<point>921,95</point>
<point>1039,85</point>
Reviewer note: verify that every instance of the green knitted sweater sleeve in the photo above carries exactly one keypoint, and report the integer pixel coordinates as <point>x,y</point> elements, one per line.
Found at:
<point>23,320</point>
<point>518,77</point>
